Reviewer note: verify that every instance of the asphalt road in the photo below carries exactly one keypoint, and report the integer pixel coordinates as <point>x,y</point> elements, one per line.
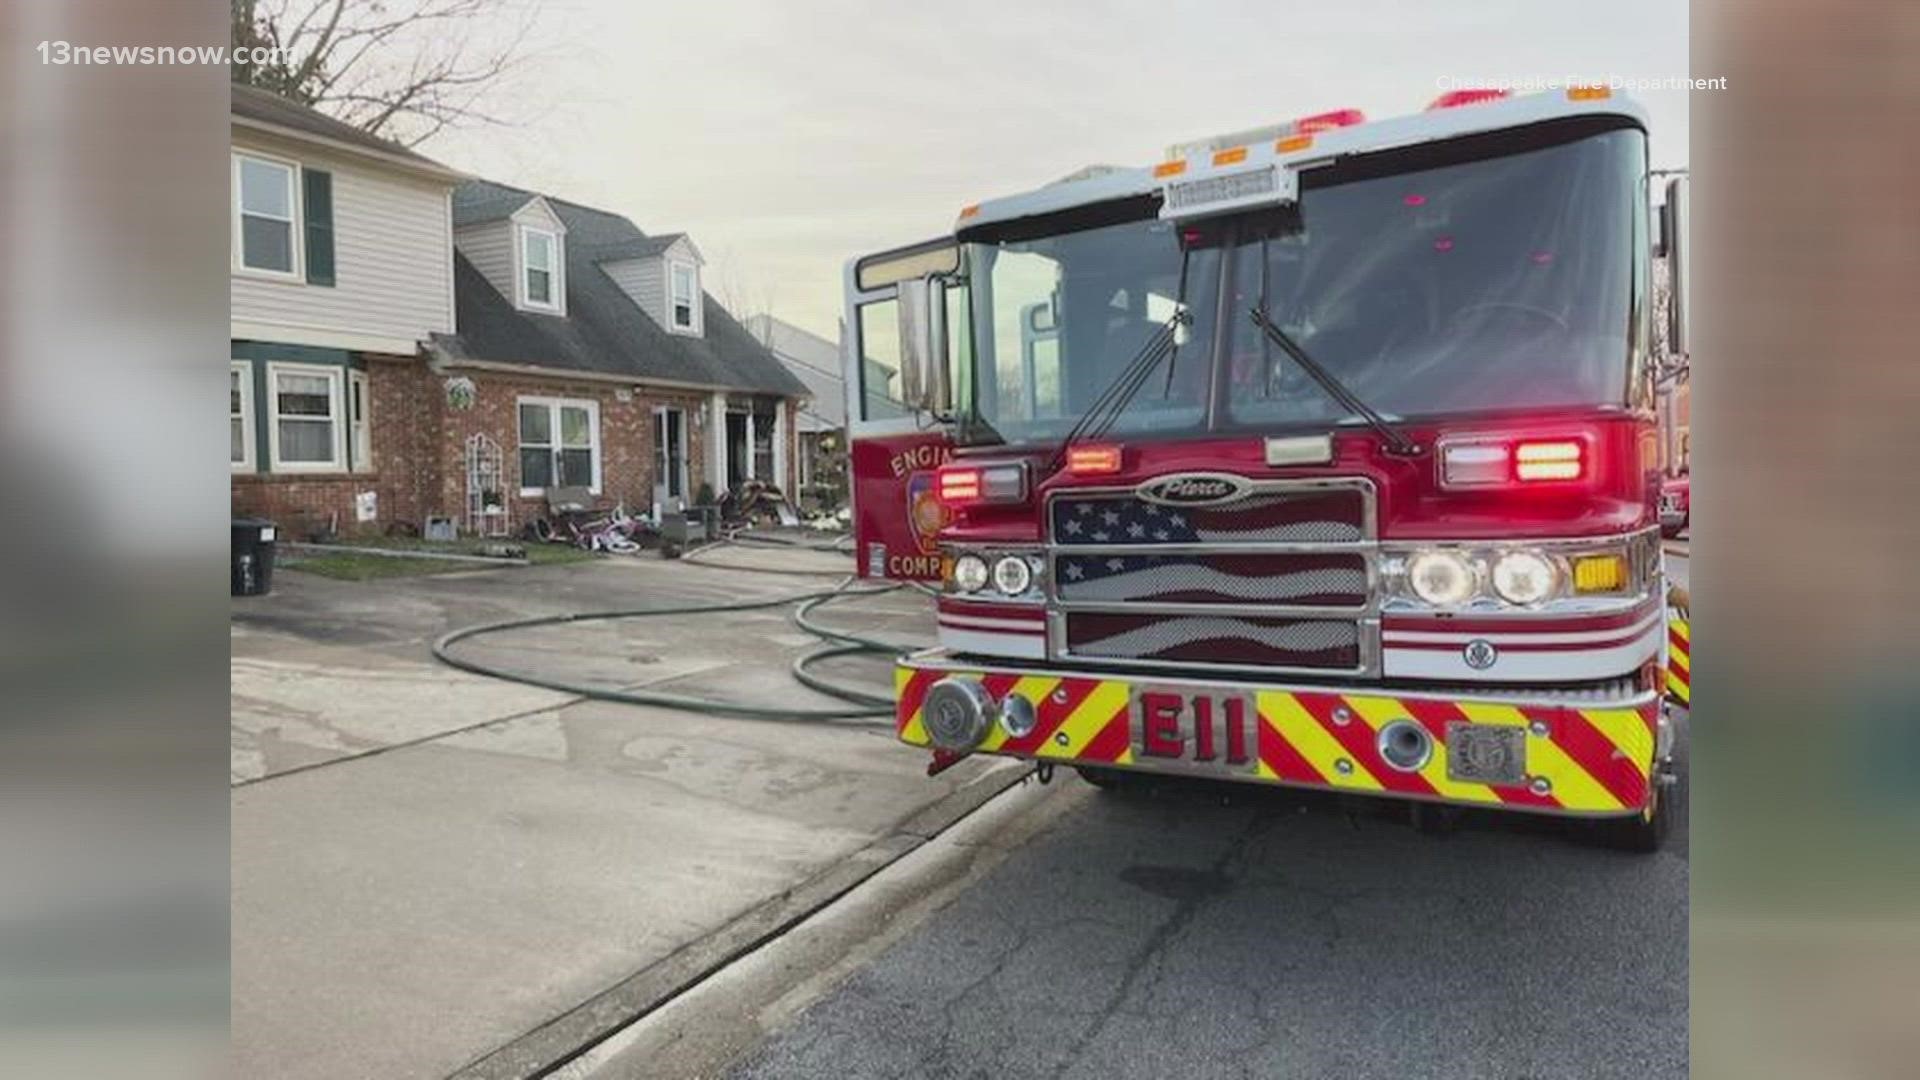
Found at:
<point>1199,931</point>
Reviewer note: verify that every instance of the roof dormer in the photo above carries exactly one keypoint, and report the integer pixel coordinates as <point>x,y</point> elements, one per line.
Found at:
<point>539,258</point>
<point>661,274</point>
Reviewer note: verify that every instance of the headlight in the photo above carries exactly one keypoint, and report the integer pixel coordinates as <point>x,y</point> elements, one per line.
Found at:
<point>1012,575</point>
<point>970,573</point>
<point>1525,577</point>
<point>1441,578</point>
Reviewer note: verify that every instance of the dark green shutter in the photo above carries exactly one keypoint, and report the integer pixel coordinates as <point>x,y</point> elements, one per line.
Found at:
<point>319,206</point>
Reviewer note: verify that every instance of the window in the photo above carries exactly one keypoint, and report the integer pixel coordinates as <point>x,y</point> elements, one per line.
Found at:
<point>880,361</point>
<point>559,444</point>
<point>306,435</point>
<point>360,436</point>
<point>763,424</point>
<point>540,268</point>
<point>669,454</point>
<point>240,415</point>
<point>266,207</point>
<point>685,297</point>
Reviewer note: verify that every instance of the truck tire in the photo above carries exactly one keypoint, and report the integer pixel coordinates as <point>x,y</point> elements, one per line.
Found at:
<point>1638,834</point>
<point>1107,779</point>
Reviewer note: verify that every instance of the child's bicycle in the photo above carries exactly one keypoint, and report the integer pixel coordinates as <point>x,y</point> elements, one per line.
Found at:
<point>616,533</point>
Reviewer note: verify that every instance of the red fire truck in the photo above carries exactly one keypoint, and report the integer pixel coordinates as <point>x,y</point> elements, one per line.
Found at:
<point>1320,455</point>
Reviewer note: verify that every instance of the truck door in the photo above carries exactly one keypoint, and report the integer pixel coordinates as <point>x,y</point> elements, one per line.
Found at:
<point>895,351</point>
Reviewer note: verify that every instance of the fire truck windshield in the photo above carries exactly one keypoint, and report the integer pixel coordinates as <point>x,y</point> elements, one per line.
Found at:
<point>1427,286</point>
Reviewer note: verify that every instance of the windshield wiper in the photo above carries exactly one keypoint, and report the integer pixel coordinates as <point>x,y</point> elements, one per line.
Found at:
<point>1106,408</point>
<point>973,425</point>
<point>1397,441</point>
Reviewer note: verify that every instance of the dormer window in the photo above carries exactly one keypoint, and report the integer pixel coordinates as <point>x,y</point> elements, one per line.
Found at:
<point>683,299</point>
<point>540,273</point>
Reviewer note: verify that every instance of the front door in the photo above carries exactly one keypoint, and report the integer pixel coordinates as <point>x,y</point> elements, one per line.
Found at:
<point>739,451</point>
<point>669,459</point>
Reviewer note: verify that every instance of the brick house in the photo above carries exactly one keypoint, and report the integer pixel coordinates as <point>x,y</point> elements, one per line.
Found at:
<point>589,351</point>
<point>409,346</point>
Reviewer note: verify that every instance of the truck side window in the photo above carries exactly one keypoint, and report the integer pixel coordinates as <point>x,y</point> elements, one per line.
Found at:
<point>880,361</point>
<point>960,342</point>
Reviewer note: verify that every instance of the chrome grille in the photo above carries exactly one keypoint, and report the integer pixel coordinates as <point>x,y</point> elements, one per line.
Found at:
<point>1314,515</point>
<point>1335,580</point>
<point>1216,639</point>
<point>1279,579</point>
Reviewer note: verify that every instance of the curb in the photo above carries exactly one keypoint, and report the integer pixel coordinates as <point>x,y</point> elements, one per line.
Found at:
<point>1682,548</point>
<point>567,1036</point>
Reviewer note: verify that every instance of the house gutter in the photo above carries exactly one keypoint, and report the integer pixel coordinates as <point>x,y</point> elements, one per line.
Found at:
<point>442,362</point>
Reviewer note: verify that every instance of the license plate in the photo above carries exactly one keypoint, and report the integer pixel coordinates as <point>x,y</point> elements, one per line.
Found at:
<point>1486,753</point>
<point>1197,730</point>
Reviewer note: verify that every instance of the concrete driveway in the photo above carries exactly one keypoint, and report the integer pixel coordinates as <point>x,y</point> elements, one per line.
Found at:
<point>435,871</point>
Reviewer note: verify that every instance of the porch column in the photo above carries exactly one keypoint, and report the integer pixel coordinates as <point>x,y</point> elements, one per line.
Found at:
<point>780,476</point>
<point>753,459</point>
<point>717,442</point>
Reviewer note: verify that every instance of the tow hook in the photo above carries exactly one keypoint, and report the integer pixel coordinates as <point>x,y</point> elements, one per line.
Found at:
<point>1043,772</point>
<point>944,760</point>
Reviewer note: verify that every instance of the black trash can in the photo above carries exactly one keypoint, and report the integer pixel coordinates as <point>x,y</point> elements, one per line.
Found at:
<point>253,540</point>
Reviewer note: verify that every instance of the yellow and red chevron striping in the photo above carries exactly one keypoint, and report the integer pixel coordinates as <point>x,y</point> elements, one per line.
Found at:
<point>1592,760</point>
<point>1679,661</point>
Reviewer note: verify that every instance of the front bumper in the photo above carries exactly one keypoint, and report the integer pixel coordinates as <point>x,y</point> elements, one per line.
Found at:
<point>1581,758</point>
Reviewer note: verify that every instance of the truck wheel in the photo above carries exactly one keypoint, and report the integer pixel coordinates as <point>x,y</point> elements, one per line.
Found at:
<point>1638,834</point>
<point>1107,779</point>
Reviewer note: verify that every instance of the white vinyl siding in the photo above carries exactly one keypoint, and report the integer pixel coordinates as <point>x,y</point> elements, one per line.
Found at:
<point>240,415</point>
<point>266,215</point>
<point>393,283</point>
<point>644,281</point>
<point>540,269</point>
<point>559,444</point>
<point>489,247</point>
<point>359,431</point>
<point>304,417</point>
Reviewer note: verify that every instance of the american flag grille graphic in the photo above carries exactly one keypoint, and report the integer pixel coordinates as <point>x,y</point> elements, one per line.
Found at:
<point>1319,515</point>
<point>1329,580</point>
<point>1213,639</point>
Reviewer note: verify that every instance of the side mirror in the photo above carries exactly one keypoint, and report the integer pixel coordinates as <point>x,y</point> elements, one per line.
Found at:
<point>1678,252</point>
<point>923,345</point>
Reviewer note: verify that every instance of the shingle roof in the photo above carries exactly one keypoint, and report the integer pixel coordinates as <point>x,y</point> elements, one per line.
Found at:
<point>271,108</point>
<point>603,331</point>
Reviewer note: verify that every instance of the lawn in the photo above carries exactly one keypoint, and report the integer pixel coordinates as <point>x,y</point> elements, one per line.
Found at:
<point>366,566</point>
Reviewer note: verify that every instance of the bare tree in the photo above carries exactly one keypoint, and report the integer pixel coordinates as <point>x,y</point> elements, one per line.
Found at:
<point>741,291</point>
<point>402,69</point>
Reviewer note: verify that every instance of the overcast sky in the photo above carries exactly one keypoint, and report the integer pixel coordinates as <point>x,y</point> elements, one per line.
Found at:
<point>788,135</point>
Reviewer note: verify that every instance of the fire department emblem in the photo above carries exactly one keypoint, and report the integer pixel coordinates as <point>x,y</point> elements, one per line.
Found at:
<point>1480,654</point>
<point>925,515</point>
<point>1194,489</point>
